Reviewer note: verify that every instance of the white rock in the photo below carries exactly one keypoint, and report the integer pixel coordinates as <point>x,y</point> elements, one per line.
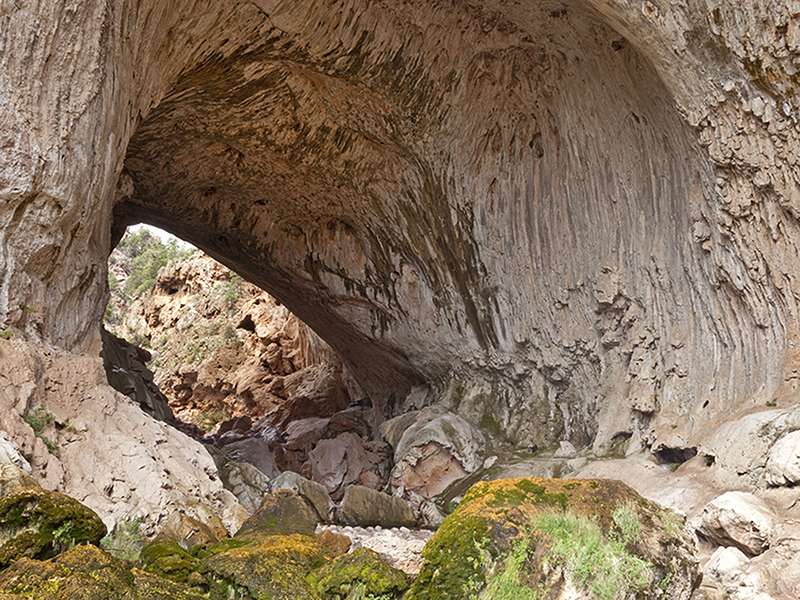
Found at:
<point>737,519</point>
<point>783,463</point>
<point>566,450</point>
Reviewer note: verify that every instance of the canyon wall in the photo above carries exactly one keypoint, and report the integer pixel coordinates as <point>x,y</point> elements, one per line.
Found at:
<point>570,220</point>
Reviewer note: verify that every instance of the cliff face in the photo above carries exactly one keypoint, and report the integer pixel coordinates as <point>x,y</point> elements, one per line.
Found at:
<point>573,220</point>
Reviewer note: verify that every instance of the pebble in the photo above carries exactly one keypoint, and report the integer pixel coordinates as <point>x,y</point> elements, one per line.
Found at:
<point>401,547</point>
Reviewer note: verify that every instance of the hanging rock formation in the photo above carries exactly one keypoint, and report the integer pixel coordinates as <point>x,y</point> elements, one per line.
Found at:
<point>573,220</point>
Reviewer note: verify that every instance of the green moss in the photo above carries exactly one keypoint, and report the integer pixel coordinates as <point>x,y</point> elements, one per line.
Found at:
<point>37,523</point>
<point>281,513</point>
<point>453,559</point>
<point>339,578</point>
<point>88,573</point>
<point>277,567</point>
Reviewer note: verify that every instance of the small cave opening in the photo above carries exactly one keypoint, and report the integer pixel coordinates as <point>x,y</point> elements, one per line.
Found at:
<point>247,324</point>
<point>231,366</point>
<point>675,456</point>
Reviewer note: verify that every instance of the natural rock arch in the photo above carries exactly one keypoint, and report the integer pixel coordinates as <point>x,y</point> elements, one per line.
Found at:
<point>567,217</point>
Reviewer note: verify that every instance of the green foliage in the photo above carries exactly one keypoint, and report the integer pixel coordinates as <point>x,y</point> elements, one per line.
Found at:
<point>504,583</point>
<point>627,519</point>
<point>126,542</point>
<point>64,535</point>
<point>232,290</point>
<point>38,419</point>
<point>141,255</point>
<point>208,420</point>
<point>603,566</point>
<point>6,334</point>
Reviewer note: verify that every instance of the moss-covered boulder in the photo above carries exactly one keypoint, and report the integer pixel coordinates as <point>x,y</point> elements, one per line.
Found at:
<point>167,559</point>
<point>539,536</point>
<point>281,513</point>
<point>88,573</point>
<point>362,572</point>
<point>37,523</point>
<point>275,566</point>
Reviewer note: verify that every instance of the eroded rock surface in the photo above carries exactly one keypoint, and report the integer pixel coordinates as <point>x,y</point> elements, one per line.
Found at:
<point>104,450</point>
<point>554,209</point>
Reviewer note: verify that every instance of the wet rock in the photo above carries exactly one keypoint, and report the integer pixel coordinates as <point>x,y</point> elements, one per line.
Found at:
<point>314,493</point>
<point>783,462</point>
<point>281,513</point>
<point>125,366</point>
<point>337,543</point>
<point>363,570</point>
<point>364,506</point>
<point>39,524</point>
<point>541,519</point>
<point>737,519</point>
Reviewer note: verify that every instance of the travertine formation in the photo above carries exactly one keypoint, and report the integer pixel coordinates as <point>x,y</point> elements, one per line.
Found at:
<point>571,220</point>
<point>579,212</point>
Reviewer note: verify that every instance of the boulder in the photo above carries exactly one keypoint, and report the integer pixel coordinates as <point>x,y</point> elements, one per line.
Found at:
<point>39,524</point>
<point>187,531</point>
<point>576,538</point>
<point>363,506</point>
<point>281,513</point>
<point>737,519</point>
<point>12,478</point>
<point>362,570</point>
<point>314,493</point>
<point>783,462</point>
<point>339,462</point>
<point>435,449</point>
<point>86,572</point>
<point>10,453</point>
<point>245,481</point>
<point>277,567</point>
<point>255,451</point>
<point>337,543</point>
<point>127,372</point>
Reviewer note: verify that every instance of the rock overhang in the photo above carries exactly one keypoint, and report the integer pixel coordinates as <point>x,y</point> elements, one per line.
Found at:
<point>517,197</point>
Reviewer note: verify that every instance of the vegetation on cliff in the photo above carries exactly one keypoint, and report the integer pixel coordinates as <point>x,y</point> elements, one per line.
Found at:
<point>133,267</point>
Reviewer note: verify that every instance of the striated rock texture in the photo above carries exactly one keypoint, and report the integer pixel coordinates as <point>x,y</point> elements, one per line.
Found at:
<point>573,219</point>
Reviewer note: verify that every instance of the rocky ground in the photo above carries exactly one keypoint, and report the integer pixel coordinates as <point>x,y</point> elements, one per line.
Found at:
<point>271,394</point>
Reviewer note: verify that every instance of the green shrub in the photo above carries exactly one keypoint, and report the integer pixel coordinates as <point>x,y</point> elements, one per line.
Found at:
<point>6,334</point>
<point>232,290</point>
<point>601,565</point>
<point>504,584</point>
<point>126,542</point>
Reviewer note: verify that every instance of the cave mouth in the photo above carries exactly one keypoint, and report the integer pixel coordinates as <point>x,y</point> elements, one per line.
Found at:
<point>502,196</point>
<point>236,368</point>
